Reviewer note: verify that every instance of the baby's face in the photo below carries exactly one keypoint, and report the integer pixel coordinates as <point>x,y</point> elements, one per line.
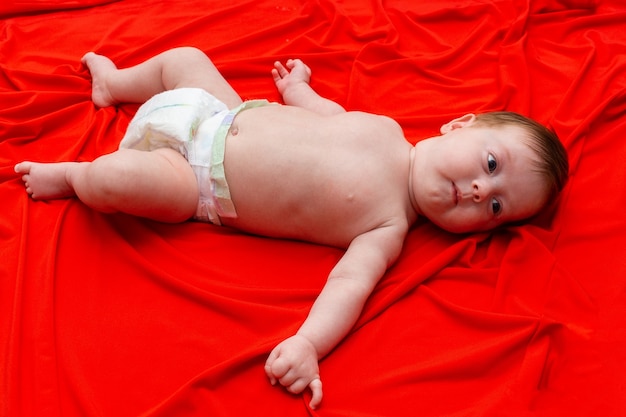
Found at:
<point>476,178</point>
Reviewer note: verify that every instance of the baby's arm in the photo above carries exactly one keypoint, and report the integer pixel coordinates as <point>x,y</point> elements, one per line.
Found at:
<point>292,81</point>
<point>294,362</point>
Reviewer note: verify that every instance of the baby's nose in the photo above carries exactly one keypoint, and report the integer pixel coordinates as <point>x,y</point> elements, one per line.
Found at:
<point>480,190</point>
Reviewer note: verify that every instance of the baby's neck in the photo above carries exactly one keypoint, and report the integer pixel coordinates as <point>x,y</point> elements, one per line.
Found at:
<point>412,180</point>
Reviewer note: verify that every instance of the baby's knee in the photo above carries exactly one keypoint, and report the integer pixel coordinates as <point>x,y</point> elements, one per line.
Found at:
<point>190,54</point>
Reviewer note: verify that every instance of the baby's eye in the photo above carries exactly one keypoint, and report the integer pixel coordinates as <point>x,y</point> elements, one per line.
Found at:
<point>496,207</point>
<point>492,164</point>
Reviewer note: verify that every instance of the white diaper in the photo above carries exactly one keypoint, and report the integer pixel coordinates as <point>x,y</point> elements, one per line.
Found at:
<point>194,123</point>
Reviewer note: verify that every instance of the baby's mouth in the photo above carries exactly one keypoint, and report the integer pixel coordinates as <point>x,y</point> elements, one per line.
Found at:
<point>458,196</point>
<point>455,194</point>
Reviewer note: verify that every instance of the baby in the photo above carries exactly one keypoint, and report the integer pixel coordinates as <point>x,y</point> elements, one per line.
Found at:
<point>306,170</point>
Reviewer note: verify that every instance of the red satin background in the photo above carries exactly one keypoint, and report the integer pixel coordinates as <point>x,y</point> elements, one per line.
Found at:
<point>111,315</point>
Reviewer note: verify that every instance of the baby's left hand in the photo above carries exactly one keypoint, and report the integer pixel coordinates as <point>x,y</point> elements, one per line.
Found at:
<point>294,364</point>
<point>291,74</point>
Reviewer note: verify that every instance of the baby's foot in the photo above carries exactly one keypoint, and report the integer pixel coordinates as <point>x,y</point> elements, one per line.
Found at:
<point>45,181</point>
<point>100,68</point>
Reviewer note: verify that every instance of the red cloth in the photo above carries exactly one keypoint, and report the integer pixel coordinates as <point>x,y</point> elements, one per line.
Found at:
<point>21,7</point>
<point>112,315</point>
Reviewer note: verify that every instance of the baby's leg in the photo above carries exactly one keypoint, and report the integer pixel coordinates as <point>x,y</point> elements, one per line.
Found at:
<point>159,185</point>
<point>175,68</point>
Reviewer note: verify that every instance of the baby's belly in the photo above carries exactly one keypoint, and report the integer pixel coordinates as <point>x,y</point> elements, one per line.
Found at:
<point>272,208</point>
<point>294,174</point>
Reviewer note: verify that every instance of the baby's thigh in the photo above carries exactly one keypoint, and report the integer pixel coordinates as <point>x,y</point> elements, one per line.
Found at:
<point>193,69</point>
<point>168,183</point>
<point>175,168</point>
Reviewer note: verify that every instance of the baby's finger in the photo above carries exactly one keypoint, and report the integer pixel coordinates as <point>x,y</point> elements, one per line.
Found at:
<point>317,394</point>
<point>294,382</point>
<point>270,375</point>
<point>280,69</point>
<point>274,354</point>
<point>295,62</point>
<point>269,371</point>
<point>280,367</point>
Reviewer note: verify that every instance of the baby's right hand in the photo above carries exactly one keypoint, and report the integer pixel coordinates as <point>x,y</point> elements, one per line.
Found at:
<point>293,363</point>
<point>291,74</point>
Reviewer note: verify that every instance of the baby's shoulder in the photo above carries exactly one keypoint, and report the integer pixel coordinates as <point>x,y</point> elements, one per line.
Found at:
<point>371,118</point>
<point>375,127</point>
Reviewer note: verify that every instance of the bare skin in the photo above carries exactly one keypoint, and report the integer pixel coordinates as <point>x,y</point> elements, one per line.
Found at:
<point>346,179</point>
<point>325,199</point>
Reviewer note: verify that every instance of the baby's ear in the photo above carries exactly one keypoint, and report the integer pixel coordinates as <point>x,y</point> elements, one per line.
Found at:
<point>459,122</point>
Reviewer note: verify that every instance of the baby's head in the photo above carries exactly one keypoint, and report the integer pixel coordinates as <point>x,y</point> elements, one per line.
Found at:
<point>486,170</point>
<point>551,162</point>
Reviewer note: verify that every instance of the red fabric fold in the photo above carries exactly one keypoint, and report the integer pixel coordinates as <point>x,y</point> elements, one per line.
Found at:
<point>112,315</point>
